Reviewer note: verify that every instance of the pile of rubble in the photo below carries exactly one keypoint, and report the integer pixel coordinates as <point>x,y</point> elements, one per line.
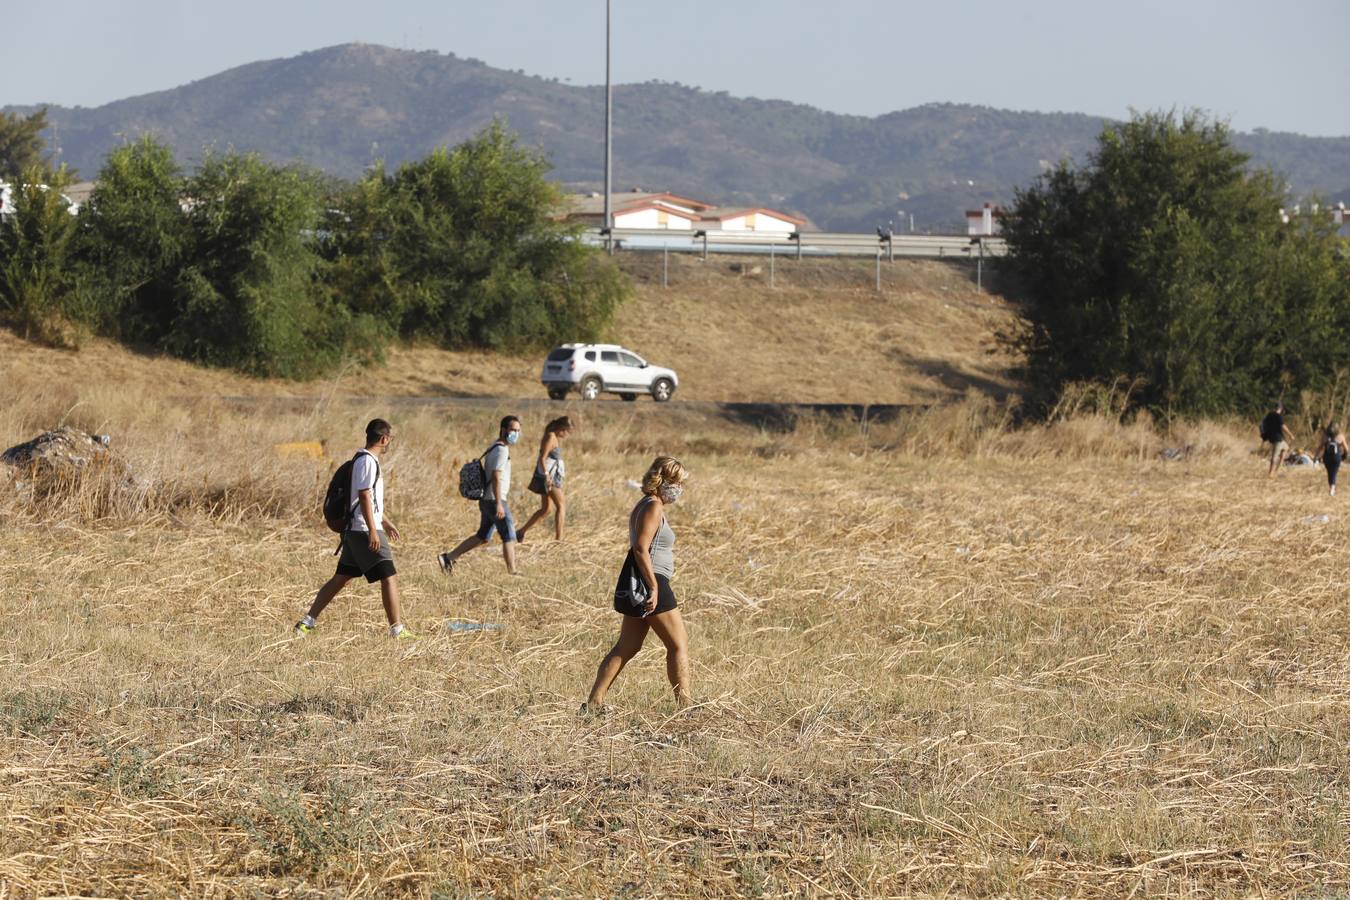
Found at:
<point>62,450</point>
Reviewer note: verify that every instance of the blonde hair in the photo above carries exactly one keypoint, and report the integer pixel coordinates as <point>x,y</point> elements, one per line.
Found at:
<point>663,470</point>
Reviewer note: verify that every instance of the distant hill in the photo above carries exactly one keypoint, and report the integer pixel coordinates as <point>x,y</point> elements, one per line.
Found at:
<point>340,108</point>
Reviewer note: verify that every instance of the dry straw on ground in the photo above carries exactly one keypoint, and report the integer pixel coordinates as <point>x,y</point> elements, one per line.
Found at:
<point>937,655</point>
<point>931,656</point>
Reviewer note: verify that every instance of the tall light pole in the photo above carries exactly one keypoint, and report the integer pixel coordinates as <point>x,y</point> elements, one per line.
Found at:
<point>609,128</point>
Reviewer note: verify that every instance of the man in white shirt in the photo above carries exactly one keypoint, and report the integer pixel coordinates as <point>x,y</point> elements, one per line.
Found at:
<point>494,514</point>
<point>365,550</point>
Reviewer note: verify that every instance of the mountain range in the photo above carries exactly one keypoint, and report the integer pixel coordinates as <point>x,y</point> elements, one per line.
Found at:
<point>340,108</point>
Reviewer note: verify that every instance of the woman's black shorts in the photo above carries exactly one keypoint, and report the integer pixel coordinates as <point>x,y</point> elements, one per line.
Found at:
<point>665,600</point>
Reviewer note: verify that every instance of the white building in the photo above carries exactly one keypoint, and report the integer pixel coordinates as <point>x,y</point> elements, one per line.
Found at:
<point>637,209</point>
<point>984,221</point>
<point>756,219</point>
<point>649,210</point>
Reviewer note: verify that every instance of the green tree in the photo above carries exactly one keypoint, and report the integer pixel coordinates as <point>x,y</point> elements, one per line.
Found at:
<point>21,144</point>
<point>1164,259</point>
<point>36,282</point>
<point>462,248</point>
<point>251,295</point>
<point>134,242</point>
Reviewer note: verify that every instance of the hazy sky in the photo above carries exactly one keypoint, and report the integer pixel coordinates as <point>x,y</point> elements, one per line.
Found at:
<point>1278,65</point>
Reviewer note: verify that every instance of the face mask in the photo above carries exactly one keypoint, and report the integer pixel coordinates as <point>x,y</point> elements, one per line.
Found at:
<point>671,492</point>
<point>512,437</point>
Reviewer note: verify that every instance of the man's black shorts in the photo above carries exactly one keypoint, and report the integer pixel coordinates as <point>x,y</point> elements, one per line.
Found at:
<point>358,559</point>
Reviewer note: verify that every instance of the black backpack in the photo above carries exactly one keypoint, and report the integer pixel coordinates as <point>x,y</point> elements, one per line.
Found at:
<point>338,504</point>
<point>1272,428</point>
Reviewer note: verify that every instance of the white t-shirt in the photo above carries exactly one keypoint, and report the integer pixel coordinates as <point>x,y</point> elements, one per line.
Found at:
<point>363,478</point>
<point>498,458</point>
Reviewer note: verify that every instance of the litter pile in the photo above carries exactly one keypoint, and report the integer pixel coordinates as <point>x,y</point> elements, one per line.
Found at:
<point>69,473</point>
<point>62,450</point>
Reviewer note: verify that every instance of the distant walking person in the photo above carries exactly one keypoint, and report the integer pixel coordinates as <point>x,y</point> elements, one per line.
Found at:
<point>1275,433</point>
<point>548,478</point>
<point>1332,450</point>
<point>652,547</point>
<point>494,513</point>
<point>365,549</point>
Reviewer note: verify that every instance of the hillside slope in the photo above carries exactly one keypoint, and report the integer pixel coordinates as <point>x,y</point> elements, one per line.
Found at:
<point>342,107</point>
<point>821,333</point>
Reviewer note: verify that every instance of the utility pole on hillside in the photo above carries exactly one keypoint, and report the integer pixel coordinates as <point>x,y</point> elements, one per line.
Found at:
<point>609,133</point>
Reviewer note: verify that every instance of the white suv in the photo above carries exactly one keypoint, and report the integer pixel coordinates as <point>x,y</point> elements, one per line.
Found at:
<point>593,368</point>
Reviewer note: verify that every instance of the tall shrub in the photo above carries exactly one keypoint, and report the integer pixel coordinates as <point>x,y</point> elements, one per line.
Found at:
<point>462,248</point>
<point>134,242</point>
<point>22,148</point>
<point>252,294</point>
<point>36,282</point>
<point>1164,259</point>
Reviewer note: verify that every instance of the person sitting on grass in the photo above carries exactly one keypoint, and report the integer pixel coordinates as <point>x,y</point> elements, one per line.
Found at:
<point>493,511</point>
<point>652,544</point>
<point>548,478</point>
<point>365,550</point>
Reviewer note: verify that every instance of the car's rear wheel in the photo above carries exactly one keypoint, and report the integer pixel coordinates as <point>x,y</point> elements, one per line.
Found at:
<point>662,389</point>
<point>557,393</point>
<point>629,397</point>
<point>590,388</point>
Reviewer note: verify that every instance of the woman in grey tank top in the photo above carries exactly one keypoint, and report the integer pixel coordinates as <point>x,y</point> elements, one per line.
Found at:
<point>547,481</point>
<point>651,542</point>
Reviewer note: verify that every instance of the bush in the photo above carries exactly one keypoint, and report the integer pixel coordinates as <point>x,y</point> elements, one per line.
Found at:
<point>254,266</point>
<point>1165,261</point>
<point>36,285</point>
<point>134,242</point>
<point>252,296</point>
<point>461,248</point>
<point>220,268</point>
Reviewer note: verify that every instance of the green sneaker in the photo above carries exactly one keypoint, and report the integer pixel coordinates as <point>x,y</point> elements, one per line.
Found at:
<point>303,630</point>
<point>405,635</point>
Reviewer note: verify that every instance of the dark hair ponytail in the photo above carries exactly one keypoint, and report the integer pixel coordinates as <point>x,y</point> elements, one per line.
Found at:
<point>562,423</point>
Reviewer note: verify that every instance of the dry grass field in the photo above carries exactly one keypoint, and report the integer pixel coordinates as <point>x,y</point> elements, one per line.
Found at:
<point>931,657</point>
<point>820,333</point>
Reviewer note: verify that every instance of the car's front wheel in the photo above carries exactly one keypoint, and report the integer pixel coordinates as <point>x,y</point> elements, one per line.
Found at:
<point>590,388</point>
<point>662,389</point>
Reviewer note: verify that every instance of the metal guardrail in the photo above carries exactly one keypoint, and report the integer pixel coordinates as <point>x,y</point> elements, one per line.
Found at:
<point>811,243</point>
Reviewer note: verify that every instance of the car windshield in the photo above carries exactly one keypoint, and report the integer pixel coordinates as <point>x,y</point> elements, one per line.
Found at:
<point>559,355</point>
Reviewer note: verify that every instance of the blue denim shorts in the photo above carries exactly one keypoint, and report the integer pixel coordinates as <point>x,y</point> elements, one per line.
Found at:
<point>488,521</point>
